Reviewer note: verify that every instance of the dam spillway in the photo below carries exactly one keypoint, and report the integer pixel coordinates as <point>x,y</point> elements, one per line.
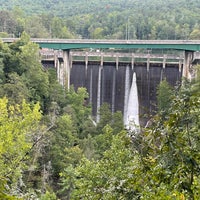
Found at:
<point>109,81</point>
<point>107,84</point>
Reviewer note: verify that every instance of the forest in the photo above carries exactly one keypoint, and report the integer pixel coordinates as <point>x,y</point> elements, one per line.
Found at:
<point>51,149</point>
<point>50,146</point>
<point>108,19</point>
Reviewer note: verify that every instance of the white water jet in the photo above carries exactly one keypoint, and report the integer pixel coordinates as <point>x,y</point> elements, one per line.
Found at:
<point>132,115</point>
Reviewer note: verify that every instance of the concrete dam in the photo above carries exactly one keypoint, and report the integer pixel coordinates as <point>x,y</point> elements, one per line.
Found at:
<point>108,78</point>
<point>112,81</point>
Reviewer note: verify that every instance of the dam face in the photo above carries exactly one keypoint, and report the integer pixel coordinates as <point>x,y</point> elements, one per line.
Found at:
<point>107,76</point>
<point>111,84</point>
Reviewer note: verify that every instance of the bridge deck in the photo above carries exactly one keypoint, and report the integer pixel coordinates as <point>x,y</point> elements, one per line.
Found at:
<point>67,44</point>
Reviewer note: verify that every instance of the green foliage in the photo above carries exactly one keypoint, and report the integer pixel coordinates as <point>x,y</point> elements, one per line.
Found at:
<point>115,120</point>
<point>4,35</point>
<point>20,62</point>
<point>15,89</point>
<point>79,159</point>
<point>108,178</point>
<point>108,19</point>
<point>160,163</point>
<point>7,22</point>
<point>37,83</point>
<point>174,147</point>
<point>62,140</point>
<point>78,109</point>
<point>56,95</point>
<point>68,177</point>
<point>195,34</point>
<point>35,28</point>
<point>164,96</point>
<point>104,139</point>
<point>19,123</point>
<point>89,147</point>
<point>59,29</point>
<point>105,116</point>
<point>3,191</point>
<point>97,33</point>
<point>48,196</point>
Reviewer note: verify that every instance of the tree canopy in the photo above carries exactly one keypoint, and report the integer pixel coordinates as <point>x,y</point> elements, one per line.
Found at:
<point>50,147</point>
<point>109,19</point>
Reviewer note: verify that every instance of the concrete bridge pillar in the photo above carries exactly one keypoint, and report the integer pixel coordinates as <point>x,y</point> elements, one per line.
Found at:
<point>58,66</point>
<point>188,58</point>
<point>67,67</point>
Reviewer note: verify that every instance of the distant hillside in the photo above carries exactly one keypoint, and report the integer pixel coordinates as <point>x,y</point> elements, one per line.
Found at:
<point>66,7</point>
<point>97,19</point>
<point>69,8</point>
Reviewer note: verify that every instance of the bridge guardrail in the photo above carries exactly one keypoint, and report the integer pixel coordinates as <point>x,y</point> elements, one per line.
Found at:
<point>157,58</point>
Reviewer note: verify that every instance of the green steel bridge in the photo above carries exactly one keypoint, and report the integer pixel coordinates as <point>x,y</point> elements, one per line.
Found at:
<point>67,44</point>
<point>187,46</point>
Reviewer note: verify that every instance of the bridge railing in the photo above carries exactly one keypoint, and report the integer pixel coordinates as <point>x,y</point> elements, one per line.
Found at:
<point>47,54</point>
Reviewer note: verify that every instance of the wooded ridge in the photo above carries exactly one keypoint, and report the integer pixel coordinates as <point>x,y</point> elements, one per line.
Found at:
<point>149,19</point>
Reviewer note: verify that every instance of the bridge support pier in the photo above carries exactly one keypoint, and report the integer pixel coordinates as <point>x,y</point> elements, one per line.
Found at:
<point>67,68</point>
<point>188,58</point>
<point>59,69</point>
